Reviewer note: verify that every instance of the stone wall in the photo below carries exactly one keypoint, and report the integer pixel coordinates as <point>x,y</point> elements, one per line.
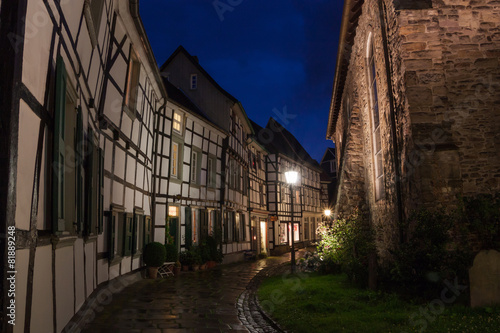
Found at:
<point>442,60</point>
<point>450,62</point>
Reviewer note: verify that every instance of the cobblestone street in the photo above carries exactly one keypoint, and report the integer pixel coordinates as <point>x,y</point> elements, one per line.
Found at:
<point>218,300</point>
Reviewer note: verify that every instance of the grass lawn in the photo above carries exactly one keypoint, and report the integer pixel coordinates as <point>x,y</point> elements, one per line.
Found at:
<point>328,303</point>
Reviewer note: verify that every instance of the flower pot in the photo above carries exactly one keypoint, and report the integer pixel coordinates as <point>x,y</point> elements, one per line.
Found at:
<point>153,272</point>
<point>203,267</point>
<point>177,270</point>
<point>185,268</point>
<point>195,267</point>
<point>211,264</point>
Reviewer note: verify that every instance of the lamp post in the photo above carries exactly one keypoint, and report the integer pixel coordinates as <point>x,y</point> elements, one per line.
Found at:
<point>291,178</point>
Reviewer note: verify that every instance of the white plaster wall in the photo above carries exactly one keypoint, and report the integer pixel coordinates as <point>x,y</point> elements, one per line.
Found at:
<point>29,125</point>
<point>117,193</point>
<point>41,223</point>
<point>79,271</point>
<point>22,258</point>
<point>114,271</point>
<point>42,306</point>
<point>159,235</point>
<point>90,266</point>
<point>102,271</point>
<point>36,53</point>
<point>64,287</point>
<point>126,264</point>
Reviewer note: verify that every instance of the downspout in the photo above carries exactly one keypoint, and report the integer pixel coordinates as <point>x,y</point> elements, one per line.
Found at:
<point>397,163</point>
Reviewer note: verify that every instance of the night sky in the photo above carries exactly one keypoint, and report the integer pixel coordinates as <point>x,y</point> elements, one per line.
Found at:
<point>276,57</point>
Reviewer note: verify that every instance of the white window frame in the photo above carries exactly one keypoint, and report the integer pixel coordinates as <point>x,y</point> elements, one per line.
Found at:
<point>193,81</point>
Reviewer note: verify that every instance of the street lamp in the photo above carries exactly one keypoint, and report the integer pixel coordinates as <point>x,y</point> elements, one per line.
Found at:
<point>291,178</point>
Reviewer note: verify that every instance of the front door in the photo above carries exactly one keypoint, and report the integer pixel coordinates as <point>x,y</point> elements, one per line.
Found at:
<point>173,227</point>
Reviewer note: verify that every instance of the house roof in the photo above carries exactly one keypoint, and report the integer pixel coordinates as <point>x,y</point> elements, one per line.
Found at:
<point>278,140</point>
<point>178,97</point>
<point>194,60</point>
<point>329,151</point>
<point>352,12</point>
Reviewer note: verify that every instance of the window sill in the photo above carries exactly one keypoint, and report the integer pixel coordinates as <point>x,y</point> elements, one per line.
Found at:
<point>60,241</point>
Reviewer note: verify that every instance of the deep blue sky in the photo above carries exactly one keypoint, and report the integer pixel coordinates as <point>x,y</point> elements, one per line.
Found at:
<point>271,55</point>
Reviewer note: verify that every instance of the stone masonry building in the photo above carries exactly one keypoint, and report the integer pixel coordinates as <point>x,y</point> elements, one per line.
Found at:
<point>415,112</point>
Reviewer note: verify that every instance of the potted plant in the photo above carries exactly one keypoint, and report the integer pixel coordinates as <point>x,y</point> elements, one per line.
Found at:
<point>154,256</point>
<point>195,258</point>
<point>211,244</point>
<point>177,268</point>
<point>205,255</point>
<point>184,260</point>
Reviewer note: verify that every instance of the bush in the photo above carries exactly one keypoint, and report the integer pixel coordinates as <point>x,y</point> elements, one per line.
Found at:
<point>184,258</point>
<point>204,252</point>
<point>482,220</point>
<point>346,245</point>
<point>172,253</point>
<point>154,254</point>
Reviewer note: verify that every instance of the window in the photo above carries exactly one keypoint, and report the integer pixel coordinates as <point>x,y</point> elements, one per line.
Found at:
<point>211,172</point>
<point>132,84</point>
<point>177,125</point>
<point>376,141</point>
<point>93,13</point>
<point>68,172</point>
<point>175,160</point>
<point>194,81</point>
<point>94,182</point>
<point>237,227</point>
<point>194,165</point>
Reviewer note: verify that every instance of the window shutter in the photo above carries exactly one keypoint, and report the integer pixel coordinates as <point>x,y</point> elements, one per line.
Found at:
<point>189,228</point>
<point>58,154</point>
<point>79,170</point>
<point>243,223</point>
<point>127,235</point>
<point>101,190</point>
<point>226,227</point>
<point>135,224</point>
<point>89,183</point>
<point>111,240</point>
<point>172,227</point>
<point>147,230</point>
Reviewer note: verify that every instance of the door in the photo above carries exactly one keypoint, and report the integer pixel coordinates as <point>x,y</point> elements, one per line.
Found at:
<point>173,227</point>
<point>263,236</point>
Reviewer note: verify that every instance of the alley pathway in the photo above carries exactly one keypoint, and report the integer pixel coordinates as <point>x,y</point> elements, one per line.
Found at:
<point>218,300</point>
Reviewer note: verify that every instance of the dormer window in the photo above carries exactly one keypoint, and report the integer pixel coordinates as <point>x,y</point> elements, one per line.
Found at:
<point>177,125</point>
<point>194,81</point>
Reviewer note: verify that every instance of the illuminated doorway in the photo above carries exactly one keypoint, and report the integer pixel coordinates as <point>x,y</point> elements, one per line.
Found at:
<point>263,236</point>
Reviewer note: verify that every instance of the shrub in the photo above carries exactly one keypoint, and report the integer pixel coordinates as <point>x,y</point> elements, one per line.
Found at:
<point>346,245</point>
<point>154,254</point>
<point>184,258</point>
<point>482,220</point>
<point>172,253</point>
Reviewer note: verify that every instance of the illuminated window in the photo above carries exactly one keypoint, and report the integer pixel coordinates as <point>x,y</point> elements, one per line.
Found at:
<point>177,122</point>
<point>376,141</point>
<point>194,81</point>
<point>175,160</point>
<point>173,211</point>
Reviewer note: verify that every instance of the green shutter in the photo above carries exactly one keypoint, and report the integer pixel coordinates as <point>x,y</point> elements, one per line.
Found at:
<point>79,170</point>
<point>226,227</point>
<point>127,235</point>
<point>58,154</point>
<point>89,183</point>
<point>243,223</point>
<point>189,228</point>
<point>147,230</point>
<point>111,242</point>
<point>172,227</point>
<point>101,190</point>
<point>135,225</point>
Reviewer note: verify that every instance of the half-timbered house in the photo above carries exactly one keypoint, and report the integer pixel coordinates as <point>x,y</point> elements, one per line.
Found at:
<point>79,97</point>
<point>184,72</point>
<point>257,195</point>
<point>285,153</point>
<point>188,178</point>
